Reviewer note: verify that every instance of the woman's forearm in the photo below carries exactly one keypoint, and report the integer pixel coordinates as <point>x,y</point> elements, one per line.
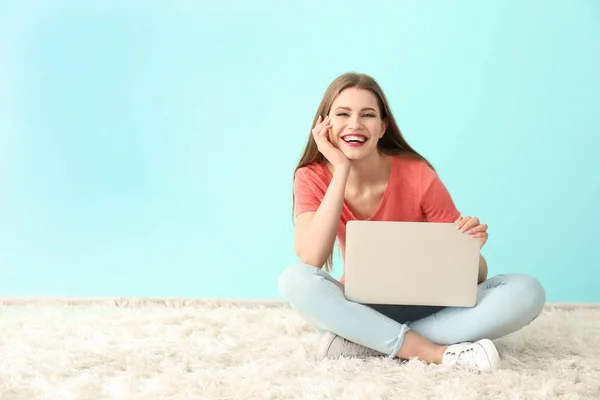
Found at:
<point>315,242</point>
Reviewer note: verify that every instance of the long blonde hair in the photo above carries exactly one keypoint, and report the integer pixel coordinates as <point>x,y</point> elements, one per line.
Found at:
<point>392,142</point>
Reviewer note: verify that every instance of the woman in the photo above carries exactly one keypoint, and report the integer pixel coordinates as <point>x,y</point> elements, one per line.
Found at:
<point>357,165</point>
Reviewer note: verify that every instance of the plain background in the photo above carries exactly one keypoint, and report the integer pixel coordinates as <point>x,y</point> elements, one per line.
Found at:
<point>147,149</point>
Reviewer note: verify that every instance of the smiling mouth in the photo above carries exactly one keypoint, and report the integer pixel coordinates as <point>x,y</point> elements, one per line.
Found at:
<point>354,139</point>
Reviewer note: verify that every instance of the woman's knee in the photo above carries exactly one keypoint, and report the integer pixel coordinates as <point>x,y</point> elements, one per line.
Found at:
<point>294,281</point>
<point>528,292</point>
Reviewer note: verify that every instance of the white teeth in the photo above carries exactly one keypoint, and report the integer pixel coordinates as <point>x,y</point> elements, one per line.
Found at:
<point>351,138</point>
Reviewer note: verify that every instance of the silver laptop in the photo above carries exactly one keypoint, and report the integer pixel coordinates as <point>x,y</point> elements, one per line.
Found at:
<point>410,263</point>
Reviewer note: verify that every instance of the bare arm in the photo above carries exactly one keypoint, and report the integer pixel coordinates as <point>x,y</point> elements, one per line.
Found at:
<point>483,269</point>
<point>316,231</point>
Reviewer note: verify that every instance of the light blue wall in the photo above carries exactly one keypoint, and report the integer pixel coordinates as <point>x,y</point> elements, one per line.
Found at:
<point>148,150</point>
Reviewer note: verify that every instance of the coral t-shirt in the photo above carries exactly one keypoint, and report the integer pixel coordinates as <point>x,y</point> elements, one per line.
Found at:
<point>414,193</point>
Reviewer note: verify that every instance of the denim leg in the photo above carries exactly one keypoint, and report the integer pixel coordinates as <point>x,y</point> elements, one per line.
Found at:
<point>505,304</point>
<point>320,300</point>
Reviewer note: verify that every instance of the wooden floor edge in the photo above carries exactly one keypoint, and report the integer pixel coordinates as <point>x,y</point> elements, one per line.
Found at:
<point>188,302</point>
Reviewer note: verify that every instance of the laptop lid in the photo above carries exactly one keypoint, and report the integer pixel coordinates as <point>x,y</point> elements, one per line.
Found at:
<point>410,263</point>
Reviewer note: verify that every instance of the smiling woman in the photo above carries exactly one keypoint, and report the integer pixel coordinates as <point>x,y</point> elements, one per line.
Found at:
<point>355,127</point>
<point>357,165</point>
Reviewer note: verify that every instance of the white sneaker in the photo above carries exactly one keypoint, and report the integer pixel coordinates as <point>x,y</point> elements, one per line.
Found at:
<point>334,346</point>
<point>481,355</point>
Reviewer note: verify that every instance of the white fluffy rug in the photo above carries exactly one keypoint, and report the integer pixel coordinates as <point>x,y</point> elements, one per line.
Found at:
<point>212,351</point>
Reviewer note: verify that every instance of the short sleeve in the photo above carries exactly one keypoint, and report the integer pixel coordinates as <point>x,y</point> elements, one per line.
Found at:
<point>436,203</point>
<point>305,198</point>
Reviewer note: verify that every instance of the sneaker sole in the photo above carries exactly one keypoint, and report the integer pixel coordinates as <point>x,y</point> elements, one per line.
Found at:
<point>492,353</point>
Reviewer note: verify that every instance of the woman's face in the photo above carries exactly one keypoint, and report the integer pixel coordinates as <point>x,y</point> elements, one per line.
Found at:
<point>356,123</point>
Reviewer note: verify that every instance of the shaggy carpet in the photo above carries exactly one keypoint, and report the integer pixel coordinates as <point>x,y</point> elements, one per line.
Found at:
<point>215,351</point>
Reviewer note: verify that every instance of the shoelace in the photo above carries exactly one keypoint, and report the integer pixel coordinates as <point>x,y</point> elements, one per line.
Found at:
<point>466,355</point>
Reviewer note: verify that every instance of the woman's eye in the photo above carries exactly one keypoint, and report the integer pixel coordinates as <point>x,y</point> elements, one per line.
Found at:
<point>343,114</point>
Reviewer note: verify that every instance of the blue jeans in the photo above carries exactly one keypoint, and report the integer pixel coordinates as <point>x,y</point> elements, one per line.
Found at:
<point>505,304</point>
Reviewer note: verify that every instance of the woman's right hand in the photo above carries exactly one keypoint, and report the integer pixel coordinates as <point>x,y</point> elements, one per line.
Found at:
<point>330,152</point>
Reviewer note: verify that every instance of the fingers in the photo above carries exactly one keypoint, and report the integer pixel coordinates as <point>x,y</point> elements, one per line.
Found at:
<point>321,129</point>
<point>321,123</point>
<point>326,126</point>
<point>478,229</point>
<point>473,228</point>
<point>467,223</point>
<point>316,129</point>
<point>461,221</point>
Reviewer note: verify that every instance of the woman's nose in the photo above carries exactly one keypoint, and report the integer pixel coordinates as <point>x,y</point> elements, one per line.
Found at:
<point>354,122</point>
